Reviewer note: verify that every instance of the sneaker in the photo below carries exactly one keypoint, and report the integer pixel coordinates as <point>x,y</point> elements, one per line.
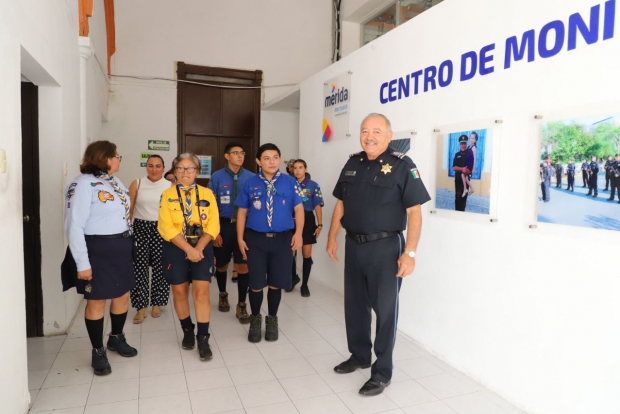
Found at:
<point>296,280</point>
<point>224,306</point>
<point>119,344</point>
<point>271,329</point>
<point>204,350</point>
<point>256,323</point>
<point>189,341</point>
<point>100,362</point>
<point>242,313</point>
<point>305,292</point>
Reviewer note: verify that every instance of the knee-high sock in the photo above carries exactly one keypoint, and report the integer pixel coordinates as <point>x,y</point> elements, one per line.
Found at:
<point>95,332</point>
<point>273,300</point>
<point>243,281</point>
<point>221,280</point>
<point>307,266</point>
<point>256,300</point>
<point>118,322</point>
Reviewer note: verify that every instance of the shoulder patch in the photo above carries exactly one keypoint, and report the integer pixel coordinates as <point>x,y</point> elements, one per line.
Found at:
<point>355,154</point>
<point>403,157</point>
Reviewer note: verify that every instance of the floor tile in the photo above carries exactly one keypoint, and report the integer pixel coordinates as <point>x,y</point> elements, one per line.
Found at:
<point>317,321</point>
<point>208,379</point>
<point>325,363</point>
<point>473,404</point>
<point>73,359</point>
<point>408,393</point>
<point>446,386</point>
<point>238,357</point>
<point>162,350</point>
<point>419,368</point>
<point>121,407</point>
<point>76,344</point>
<point>308,386</point>
<point>288,368</point>
<point>62,377</point>
<point>232,342</point>
<point>505,405</point>
<point>126,368</point>
<point>248,374</point>
<point>325,404</point>
<point>215,401</point>
<point>76,410</point>
<point>62,397</point>
<point>51,346</point>
<point>262,393</point>
<point>360,404</point>
<point>279,352</point>
<point>175,403</point>
<point>159,337</point>
<point>302,335</point>
<point>343,382</point>
<point>40,362</point>
<point>160,366</point>
<point>315,347</point>
<point>435,407</point>
<point>163,385</point>
<point>281,408</point>
<point>192,362</point>
<point>113,391</point>
<point>331,331</point>
<point>33,397</point>
<point>229,328</point>
<point>36,378</point>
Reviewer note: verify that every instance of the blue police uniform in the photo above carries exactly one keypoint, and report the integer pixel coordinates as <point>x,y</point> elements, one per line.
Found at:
<point>99,238</point>
<point>570,176</point>
<point>593,171</point>
<point>584,174</point>
<point>226,185</point>
<point>376,195</point>
<point>547,173</point>
<point>269,244</point>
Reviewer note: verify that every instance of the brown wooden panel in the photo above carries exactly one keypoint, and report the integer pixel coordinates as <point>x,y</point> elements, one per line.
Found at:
<point>205,114</point>
<point>238,107</point>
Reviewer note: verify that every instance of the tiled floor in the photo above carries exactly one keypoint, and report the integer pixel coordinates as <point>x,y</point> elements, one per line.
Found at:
<point>292,375</point>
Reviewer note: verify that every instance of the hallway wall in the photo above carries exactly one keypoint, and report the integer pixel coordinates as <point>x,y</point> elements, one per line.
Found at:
<point>531,313</point>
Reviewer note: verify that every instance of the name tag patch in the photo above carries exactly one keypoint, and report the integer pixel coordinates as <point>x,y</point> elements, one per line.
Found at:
<point>350,173</point>
<point>225,199</point>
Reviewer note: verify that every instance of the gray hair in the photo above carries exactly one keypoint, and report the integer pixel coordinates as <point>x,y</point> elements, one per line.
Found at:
<point>186,156</point>
<point>378,115</point>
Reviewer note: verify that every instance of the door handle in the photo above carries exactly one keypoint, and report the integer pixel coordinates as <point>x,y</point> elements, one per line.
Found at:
<point>26,219</point>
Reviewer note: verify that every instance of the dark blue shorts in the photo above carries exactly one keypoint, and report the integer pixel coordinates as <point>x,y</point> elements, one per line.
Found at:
<point>269,259</point>
<point>230,246</point>
<point>309,229</point>
<point>178,270</point>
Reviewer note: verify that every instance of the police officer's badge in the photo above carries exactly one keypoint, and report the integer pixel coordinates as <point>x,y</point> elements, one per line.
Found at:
<point>385,169</point>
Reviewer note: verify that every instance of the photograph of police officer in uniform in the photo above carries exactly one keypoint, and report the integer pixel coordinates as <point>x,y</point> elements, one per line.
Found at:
<point>595,140</point>
<point>464,171</point>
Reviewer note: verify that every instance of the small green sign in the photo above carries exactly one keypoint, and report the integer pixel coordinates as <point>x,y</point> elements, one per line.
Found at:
<point>142,164</point>
<point>159,145</point>
<point>145,156</point>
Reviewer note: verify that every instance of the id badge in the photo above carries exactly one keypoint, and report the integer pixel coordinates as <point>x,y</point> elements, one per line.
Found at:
<point>225,199</point>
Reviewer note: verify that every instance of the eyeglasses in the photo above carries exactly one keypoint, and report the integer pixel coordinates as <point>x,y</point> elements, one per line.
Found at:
<point>237,152</point>
<point>184,169</point>
<point>120,157</point>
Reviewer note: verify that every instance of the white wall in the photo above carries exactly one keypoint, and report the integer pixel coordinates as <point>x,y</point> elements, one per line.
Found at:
<point>281,128</point>
<point>532,314</point>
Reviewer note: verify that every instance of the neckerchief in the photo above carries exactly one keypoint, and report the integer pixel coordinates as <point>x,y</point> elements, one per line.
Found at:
<point>271,189</point>
<point>235,187</point>
<point>121,195</point>
<point>304,182</point>
<point>188,205</point>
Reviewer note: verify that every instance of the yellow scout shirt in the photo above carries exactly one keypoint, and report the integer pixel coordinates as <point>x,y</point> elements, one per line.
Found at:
<point>171,220</point>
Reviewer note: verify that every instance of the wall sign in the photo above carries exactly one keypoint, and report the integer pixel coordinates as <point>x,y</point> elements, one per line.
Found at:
<point>336,107</point>
<point>205,166</point>
<point>159,145</point>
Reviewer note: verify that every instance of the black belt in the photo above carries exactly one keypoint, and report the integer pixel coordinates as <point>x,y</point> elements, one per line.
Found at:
<point>271,234</point>
<point>364,238</point>
<point>228,220</point>
<point>123,235</point>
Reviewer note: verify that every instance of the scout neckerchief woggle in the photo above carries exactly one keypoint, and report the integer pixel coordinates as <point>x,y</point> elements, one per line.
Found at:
<point>270,190</point>
<point>121,195</point>
<point>235,177</point>
<point>188,204</point>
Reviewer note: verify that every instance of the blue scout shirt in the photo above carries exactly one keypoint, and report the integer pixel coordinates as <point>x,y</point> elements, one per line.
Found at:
<point>222,184</point>
<point>92,207</point>
<point>311,194</point>
<point>253,197</point>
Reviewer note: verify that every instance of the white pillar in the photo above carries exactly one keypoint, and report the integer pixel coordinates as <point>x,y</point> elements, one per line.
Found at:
<point>86,51</point>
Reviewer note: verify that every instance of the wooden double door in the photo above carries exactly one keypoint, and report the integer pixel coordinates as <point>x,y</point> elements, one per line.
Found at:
<point>215,107</point>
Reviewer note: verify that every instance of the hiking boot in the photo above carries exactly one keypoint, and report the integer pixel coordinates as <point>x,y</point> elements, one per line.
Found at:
<point>305,292</point>
<point>224,306</point>
<point>296,280</point>
<point>204,350</point>
<point>119,344</point>
<point>256,323</point>
<point>242,313</point>
<point>271,329</point>
<point>100,362</point>
<point>189,340</point>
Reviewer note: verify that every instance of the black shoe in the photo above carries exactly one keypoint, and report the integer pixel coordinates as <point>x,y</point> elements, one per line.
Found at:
<point>223,306</point>
<point>204,350</point>
<point>100,362</point>
<point>595,195</point>
<point>373,387</point>
<point>189,341</point>
<point>590,193</point>
<point>305,292</point>
<point>348,366</point>
<point>256,323</point>
<point>572,191</point>
<point>610,199</point>
<point>296,280</point>
<point>271,328</point>
<point>119,344</point>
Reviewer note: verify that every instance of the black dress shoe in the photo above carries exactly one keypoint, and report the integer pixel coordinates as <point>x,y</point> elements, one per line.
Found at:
<point>373,387</point>
<point>348,366</point>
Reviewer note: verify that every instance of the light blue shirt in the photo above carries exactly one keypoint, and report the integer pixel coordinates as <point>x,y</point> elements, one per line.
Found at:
<point>92,208</point>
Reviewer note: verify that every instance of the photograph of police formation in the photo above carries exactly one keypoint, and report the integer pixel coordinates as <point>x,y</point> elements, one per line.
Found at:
<point>186,233</point>
<point>578,151</point>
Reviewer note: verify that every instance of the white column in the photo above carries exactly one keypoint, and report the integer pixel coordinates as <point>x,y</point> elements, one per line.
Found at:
<point>86,51</point>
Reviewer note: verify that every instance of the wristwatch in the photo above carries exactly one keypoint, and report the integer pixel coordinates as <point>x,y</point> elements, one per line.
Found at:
<point>410,253</point>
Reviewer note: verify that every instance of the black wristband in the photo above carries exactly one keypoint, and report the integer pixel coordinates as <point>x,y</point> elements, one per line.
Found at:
<point>319,225</point>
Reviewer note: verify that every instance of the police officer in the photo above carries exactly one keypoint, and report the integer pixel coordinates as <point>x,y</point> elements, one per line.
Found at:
<point>615,178</point>
<point>608,172</point>
<point>559,170</point>
<point>543,189</point>
<point>584,174</point>
<point>459,165</point>
<point>226,184</point>
<point>547,172</point>
<point>266,233</point>
<point>570,175</point>
<point>379,193</point>
<point>593,174</point>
